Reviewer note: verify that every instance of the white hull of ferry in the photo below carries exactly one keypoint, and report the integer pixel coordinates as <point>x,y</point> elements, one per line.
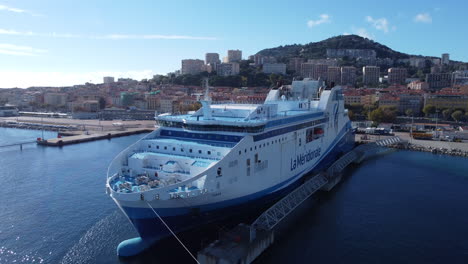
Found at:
<point>223,175</point>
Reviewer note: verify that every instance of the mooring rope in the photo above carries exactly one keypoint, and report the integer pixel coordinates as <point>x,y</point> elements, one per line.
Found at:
<point>170,230</point>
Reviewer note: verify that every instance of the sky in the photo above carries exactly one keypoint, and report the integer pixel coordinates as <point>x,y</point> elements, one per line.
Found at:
<point>65,42</point>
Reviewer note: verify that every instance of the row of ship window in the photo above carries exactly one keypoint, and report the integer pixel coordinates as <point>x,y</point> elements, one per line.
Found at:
<point>196,127</point>
<point>264,144</point>
<point>182,150</point>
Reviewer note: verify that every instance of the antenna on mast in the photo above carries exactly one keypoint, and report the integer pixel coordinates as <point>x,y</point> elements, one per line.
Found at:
<point>206,102</point>
<point>207,89</point>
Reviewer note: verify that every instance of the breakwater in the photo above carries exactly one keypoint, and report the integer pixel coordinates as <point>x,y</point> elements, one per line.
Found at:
<point>434,150</point>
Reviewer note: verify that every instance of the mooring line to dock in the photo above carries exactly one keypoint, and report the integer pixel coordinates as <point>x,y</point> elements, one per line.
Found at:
<point>172,232</point>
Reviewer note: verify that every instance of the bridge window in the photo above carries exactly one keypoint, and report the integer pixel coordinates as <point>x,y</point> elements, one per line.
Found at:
<point>240,152</point>
<point>149,146</point>
<point>199,151</point>
<point>190,150</point>
<point>157,147</point>
<point>165,148</point>
<point>173,149</point>
<point>219,172</point>
<point>209,152</point>
<point>182,150</point>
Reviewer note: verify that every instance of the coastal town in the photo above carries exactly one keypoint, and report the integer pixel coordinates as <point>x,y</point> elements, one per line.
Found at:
<point>379,87</point>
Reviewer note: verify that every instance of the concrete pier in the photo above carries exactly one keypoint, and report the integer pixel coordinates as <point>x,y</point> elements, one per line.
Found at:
<point>58,142</point>
<point>238,246</point>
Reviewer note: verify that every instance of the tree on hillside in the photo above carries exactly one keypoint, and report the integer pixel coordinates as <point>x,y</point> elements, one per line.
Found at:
<point>351,115</point>
<point>429,110</point>
<point>457,115</point>
<point>409,112</point>
<point>447,113</point>
<point>383,115</point>
<point>376,115</point>
<point>465,117</point>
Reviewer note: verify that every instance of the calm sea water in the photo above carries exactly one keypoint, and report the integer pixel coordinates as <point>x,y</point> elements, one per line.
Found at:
<point>405,207</point>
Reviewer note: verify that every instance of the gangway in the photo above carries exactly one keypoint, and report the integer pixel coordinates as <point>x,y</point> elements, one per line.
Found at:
<point>254,239</point>
<point>271,217</point>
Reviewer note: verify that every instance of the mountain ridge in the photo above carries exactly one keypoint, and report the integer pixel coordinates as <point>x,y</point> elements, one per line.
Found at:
<point>317,50</point>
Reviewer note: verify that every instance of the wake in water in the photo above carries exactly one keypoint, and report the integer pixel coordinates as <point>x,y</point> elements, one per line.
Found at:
<point>10,256</point>
<point>100,239</point>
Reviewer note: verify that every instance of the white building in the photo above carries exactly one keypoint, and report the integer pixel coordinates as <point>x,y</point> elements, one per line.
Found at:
<point>460,78</point>
<point>212,58</point>
<point>370,75</point>
<point>279,68</point>
<point>417,62</point>
<point>228,69</point>
<point>445,59</point>
<point>190,66</point>
<point>108,79</point>
<point>56,99</point>
<point>166,105</point>
<point>234,55</point>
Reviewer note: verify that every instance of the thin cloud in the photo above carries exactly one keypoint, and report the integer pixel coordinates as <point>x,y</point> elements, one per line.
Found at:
<point>379,23</point>
<point>423,18</point>
<point>109,36</point>
<point>364,33</point>
<point>360,32</point>
<point>323,18</point>
<point>16,50</point>
<point>17,10</point>
<point>12,9</point>
<point>123,36</point>
<point>9,79</point>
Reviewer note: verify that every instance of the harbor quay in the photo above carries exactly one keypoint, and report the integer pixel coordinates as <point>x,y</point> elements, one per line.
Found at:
<point>78,124</point>
<point>75,131</point>
<point>433,146</point>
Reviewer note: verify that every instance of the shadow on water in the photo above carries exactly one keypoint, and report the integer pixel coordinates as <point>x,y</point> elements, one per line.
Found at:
<point>169,250</point>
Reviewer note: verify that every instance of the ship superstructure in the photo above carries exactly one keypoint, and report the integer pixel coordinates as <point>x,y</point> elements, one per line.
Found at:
<point>223,158</point>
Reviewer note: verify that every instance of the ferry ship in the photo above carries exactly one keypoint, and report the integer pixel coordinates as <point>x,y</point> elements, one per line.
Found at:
<point>209,164</point>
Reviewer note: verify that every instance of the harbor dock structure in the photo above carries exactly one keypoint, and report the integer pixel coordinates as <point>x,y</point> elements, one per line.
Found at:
<point>245,243</point>
<point>62,141</point>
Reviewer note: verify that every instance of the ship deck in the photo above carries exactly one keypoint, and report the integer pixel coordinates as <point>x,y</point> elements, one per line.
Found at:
<point>235,119</point>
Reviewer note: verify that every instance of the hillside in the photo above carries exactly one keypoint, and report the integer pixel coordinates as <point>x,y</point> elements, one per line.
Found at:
<point>317,50</point>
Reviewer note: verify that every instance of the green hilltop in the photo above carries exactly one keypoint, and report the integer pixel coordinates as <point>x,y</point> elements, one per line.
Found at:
<point>318,50</point>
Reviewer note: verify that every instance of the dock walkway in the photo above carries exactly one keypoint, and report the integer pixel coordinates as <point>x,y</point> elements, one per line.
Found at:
<point>58,142</point>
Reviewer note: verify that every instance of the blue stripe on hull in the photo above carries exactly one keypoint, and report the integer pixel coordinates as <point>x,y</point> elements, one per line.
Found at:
<point>149,227</point>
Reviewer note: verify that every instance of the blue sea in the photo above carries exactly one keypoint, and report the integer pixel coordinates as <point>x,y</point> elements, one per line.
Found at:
<point>403,207</point>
